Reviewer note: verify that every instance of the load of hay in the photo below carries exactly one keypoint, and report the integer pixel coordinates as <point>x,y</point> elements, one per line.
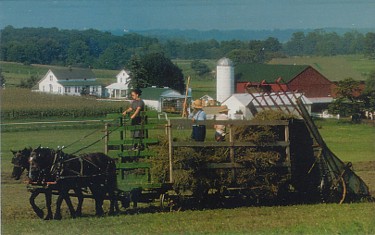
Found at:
<point>259,178</point>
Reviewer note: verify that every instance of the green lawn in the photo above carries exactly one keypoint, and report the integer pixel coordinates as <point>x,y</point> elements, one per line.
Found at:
<point>350,142</point>
<point>358,218</point>
<point>301,219</point>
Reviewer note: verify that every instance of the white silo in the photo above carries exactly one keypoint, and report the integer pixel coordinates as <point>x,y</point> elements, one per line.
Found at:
<point>224,79</point>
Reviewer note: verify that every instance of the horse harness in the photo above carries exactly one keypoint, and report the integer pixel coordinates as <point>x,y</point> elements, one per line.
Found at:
<point>58,168</point>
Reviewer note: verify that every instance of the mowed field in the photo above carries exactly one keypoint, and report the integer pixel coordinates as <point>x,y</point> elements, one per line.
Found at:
<point>342,137</point>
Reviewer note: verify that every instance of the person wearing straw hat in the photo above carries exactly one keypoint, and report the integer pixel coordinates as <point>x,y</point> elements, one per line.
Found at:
<point>220,129</point>
<point>199,131</point>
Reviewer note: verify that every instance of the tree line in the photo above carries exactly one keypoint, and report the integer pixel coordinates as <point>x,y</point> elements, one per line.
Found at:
<point>94,48</point>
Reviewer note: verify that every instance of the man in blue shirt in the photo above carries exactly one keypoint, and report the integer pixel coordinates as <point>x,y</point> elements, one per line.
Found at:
<point>199,131</point>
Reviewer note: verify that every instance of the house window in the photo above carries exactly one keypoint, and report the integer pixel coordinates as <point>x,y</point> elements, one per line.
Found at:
<point>50,88</point>
<point>59,89</point>
<point>65,89</point>
<point>50,77</point>
<point>76,89</point>
<point>68,89</point>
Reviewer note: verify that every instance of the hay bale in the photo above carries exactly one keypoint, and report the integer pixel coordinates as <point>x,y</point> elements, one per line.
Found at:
<point>260,177</point>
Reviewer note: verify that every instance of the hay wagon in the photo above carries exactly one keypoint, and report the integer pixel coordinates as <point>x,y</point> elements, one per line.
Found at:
<point>275,161</point>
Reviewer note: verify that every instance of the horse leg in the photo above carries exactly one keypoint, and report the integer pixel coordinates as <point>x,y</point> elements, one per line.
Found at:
<point>98,196</point>
<point>64,195</point>
<point>58,207</point>
<point>70,204</point>
<point>48,194</point>
<point>79,194</point>
<point>39,212</point>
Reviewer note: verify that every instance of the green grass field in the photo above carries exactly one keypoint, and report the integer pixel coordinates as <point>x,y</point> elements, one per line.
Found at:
<point>358,218</point>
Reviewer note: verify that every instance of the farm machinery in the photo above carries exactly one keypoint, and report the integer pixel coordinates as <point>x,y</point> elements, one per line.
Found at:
<point>272,161</point>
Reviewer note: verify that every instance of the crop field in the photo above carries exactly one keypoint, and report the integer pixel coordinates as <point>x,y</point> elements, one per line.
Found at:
<point>23,104</point>
<point>356,218</point>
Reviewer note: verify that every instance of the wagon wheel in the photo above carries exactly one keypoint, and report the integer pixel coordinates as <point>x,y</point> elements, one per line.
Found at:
<point>337,191</point>
<point>166,202</point>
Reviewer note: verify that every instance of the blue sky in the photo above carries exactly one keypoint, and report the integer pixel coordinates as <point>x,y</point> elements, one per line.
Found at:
<point>188,14</point>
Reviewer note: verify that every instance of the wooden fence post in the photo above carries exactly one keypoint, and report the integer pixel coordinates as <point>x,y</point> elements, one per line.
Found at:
<point>170,148</point>
<point>106,138</point>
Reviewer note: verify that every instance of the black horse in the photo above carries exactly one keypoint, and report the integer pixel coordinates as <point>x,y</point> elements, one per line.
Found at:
<point>96,171</point>
<point>21,162</point>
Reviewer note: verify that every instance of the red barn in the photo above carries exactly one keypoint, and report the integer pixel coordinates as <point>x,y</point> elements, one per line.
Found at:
<point>302,78</point>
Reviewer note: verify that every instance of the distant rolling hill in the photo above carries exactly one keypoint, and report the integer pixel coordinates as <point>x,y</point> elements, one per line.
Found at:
<point>283,35</point>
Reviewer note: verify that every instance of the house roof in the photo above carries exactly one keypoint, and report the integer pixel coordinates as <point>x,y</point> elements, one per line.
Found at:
<point>268,72</point>
<point>117,86</point>
<point>72,73</point>
<point>79,83</point>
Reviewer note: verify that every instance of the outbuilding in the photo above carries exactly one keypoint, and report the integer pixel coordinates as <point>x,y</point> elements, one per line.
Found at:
<point>164,99</point>
<point>249,105</point>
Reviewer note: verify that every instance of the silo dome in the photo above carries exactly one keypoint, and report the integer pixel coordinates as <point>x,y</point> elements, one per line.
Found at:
<point>224,62</point>
<point>224,79</point>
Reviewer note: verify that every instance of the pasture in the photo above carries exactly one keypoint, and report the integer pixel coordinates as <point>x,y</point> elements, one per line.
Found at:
<point>341,137</point>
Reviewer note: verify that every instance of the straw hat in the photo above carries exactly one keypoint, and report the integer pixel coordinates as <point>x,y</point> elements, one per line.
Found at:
<point>223,109</point>
<point>197,104</point>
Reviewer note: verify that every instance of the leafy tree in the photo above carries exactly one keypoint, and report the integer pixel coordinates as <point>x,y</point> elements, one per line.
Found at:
<point>138,73</point>
<point>370,45</point>
<point>347,100</point>
<point>114,57</point>
<point>78,54</point>
<point>199,67</point>
<point>28,83</point>
<point>348,89</point>
<point>2,79</point>
<point>295,46</point>
<point>155,70</point>
<point>368,95</point>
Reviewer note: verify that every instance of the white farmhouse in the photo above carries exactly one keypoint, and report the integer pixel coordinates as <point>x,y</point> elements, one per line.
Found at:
<point>70,81</point>
<point>120,89</point>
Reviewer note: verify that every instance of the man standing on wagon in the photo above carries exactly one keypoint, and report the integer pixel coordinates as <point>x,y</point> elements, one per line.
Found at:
<point>199,131</point>
<point>136,106</point>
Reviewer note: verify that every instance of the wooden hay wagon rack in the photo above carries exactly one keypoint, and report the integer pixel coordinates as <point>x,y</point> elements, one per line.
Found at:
<point>292,164</point>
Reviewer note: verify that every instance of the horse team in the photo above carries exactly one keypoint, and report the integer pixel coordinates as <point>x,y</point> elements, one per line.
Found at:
<point>55,171</point>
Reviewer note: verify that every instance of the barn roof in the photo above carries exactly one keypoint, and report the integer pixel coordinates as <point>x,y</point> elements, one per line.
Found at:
<point>259,99</point>
<point>268,72</point>
<point>72,73</point>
